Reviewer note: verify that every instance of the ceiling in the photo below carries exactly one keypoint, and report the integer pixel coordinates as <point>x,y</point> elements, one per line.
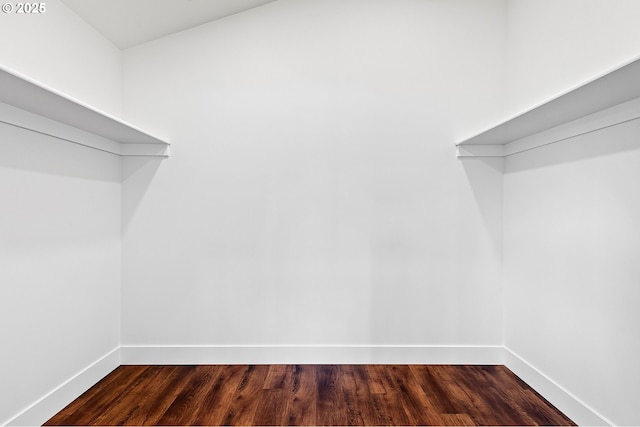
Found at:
<point>131,22</point>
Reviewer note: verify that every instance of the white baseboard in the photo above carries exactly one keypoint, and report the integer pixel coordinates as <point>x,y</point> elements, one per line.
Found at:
<point>570,405</point>
<point>47,406</point>
<point>296,354</point>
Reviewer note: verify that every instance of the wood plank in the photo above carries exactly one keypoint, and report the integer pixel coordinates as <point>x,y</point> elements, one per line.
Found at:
<point>215,405</point>
<point>390,401</point>
<point>352,395</point>
<point>528,402</point>
<point>276,377</point>
<point>371,409</point>
<point>376,385</point>
<point>272,408</point>
<point>473,397</point>
<point>417,406</point>
<point>246,397</point>
<point>331,410</point>
<point>154,397</point>
<point>128,406</point>
<point>457,420</point>
<point>303,395</point>
<point>435,389</point>
<point>181,411</point>
<point>99,398</point>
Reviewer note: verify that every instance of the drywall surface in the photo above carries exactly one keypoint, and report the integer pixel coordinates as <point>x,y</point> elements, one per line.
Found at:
<point>313,195</point>
<point>60,50</point>
<point>554,45</point>
<point>60,248</point>
<point>60,221</point>
<point>572,243</point>
<point>571,231</point>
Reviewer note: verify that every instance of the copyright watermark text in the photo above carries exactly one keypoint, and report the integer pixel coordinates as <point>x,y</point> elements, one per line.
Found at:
<point>24,8</point>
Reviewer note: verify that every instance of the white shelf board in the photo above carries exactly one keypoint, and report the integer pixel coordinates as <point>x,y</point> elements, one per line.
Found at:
<point>53,106</point>
<point>602,93</point>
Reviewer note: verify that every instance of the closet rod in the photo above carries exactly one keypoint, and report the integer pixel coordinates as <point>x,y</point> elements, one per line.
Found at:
<point>76,142</point>
<point>626,112</point>
<point>574,136</point>
<point>57,137</point>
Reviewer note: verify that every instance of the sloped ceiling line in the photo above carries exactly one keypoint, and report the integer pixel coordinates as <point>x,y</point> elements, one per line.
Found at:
<point>127,23</point>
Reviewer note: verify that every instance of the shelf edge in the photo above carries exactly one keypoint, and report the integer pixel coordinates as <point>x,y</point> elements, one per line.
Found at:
<point>26,120</point>
<point>63,99</point>
<point>574,90</point>
<point>486,150</point>
<point>619,114</point>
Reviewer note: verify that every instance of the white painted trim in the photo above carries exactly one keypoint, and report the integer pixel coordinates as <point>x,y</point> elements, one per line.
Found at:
<point>27,120</point>
<point>145,150</point>
<point>485,150</point>
<point>50,404</point>
<point>54,401</point>
<point>613,116</point>
<point>575,409</point>
<point>581,413</point>
<point>311,354</point>
<point>32,122</point>
<point>27,94</point>
<point>599,93</point>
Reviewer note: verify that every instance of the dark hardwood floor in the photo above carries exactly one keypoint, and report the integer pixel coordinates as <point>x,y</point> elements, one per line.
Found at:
<point>310,395</point>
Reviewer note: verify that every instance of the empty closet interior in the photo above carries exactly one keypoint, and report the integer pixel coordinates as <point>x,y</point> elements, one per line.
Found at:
<point>322,182</point>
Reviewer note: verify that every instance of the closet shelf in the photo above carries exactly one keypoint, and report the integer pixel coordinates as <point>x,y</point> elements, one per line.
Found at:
<point>31,105</point>
<point>605,101</point>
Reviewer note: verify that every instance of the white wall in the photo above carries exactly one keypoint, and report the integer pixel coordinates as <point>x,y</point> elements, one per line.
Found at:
<point>554,45</point>
<point>60,221</point>
<point>313,195</point>
<point>60,251</point>
<point>62,51</point>
<point>571,230</point>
